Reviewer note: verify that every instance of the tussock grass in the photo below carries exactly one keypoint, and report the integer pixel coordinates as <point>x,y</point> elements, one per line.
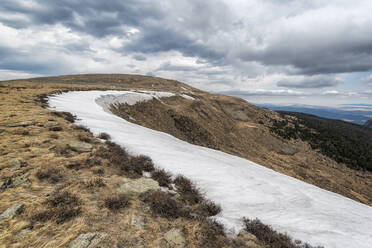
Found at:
<point>60,208</point>
<point>115,203</point>
<point>51,174</point>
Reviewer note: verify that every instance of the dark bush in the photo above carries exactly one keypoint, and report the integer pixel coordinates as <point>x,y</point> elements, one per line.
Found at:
<point>187,190</point>
<point>81,127</point>
<point>104,136</point>
<point>52,175</point>
<point>65,115</point>
<point>115,203</point>
<point>84,138</point>
<point>163,177</point>
<point>143,162</point>
<point>61,207</point>
<point>271,237</point>
<point>54,136</point>
<point>55,129</point>
<point>162,204</point>
<point>209,208</point>
<point>94,183</point>
<point>213,234</point>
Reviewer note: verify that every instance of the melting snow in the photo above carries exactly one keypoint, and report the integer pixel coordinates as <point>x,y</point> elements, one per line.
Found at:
<point>243,188</point>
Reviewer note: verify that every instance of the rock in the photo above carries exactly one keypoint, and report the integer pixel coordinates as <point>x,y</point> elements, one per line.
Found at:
<point>138,186</point>
<point>50,124</point>
<point>2,130</point>
<point>248,239</point>
<point>287,150</point>
<point>21,124</point>
<point>175,238</point>
<point>88,240</point>
<point>21,179</point>
<point>14,182</point>
<point>79,146</point>
<point>12,211</point>
<point>15,163</point>
<point>138,221</point>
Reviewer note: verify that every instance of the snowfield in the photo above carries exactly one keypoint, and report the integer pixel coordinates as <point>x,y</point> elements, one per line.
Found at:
<point>241,187</point>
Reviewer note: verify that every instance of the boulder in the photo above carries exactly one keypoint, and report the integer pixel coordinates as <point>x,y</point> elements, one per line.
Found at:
<point>175,238</point>
<point>12,211</point>
<point>88,240</point>
<point>79,146</point>
<point>138,221</point>
<point>21,124</point>
<point>14,182</point>
<point>138,186</point>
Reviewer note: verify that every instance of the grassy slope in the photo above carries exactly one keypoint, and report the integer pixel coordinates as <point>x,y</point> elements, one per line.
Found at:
<point>52,217</point>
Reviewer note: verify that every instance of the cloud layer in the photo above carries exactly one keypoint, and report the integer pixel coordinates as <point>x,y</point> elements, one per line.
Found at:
<point>217,45</point>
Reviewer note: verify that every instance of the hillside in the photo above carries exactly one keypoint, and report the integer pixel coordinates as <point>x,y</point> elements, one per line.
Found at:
<point>368,124</point>
<point>63,183</point>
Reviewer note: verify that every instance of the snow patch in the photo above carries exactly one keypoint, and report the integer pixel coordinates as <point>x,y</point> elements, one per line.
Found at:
<point>241,187</point>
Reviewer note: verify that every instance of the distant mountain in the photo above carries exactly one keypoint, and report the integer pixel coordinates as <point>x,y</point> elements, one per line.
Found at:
<point>358,114</point>
<point>368,124</point>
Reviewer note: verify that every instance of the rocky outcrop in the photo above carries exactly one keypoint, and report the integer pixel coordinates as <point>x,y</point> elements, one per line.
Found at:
<point>175,238</point>
<point>79,146</point>
<point>21,124</point>
<point>88,240</point>
<point>14,182</point>
<point>138,186</point>
<point>12,211</point>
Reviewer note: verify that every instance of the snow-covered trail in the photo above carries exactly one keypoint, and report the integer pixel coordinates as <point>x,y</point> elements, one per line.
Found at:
<point>243,188</point>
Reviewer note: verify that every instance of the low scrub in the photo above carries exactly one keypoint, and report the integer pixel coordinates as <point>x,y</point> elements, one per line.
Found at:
<point>143,162</point>
<point>188,190</point>
<point>52,175</point>
<point>104,136</point>
<point>270,237</point>
<point>60,208</point>
<point>163,177</point>
<point>163,205</point>
<point>115,203</point>
<point>94,183</point>
<point>65,115</point>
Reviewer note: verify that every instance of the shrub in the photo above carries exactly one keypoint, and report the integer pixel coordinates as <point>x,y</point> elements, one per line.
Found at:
<point>213,234</point>
<point>52,175</point>
<point>65,115</point>
<point>61,207</point>
<point>163,177</point>
<point>209,208</point>
<point>104,136</point>
<point>84,138</point>
<point>270,237</point>
<point>81,127</point>
<point>94,183</point>
<point>115,203</point>
<point>162,204</point>
<point>187,190</point>
<point>143,162</point>
<point>55,129</point>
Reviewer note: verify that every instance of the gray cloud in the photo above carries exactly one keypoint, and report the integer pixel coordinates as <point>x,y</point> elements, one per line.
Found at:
<point>309,82</point>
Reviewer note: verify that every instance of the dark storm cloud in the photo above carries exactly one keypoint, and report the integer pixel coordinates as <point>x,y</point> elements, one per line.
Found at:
<point>272,34</point>
<point>309,82</point>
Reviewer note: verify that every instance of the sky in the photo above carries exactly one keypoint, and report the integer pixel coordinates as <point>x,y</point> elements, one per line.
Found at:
<point>266,51</point>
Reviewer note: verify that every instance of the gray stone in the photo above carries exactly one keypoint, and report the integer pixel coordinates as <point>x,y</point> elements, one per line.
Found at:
<point>138,221</point>
<point>79,146</point>
<point>14,182</point>
<point>21,124</point>
<point>138,186</point>
<point>12,211</point>
<point>248,239</point>
<point>88,240</point>
<point>15,163</point>
<point>287,150</point>
<point>175,238</point>
<point>21,179</point>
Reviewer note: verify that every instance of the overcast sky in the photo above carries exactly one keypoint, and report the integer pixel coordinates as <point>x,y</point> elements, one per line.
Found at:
<point>272,51</point>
